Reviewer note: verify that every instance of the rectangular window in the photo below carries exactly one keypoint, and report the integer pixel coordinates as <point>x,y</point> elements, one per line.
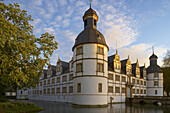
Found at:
<point>48,81</point>
<point>53,90</point>
<point>156,83</point>
<point>100,67</point>
<point>155,75</point>
<point>70,77</point>
<point>110,89</point>
<point>123,79</point>
<point>79,67</point>
<point>137,91</point>
<point>137,81</point>
<point>53,80</point>
<point>78,87</point>
<point>141,91</point>
<point>44,82</point>
<point>144,91</point>
<point>133,81</point>
<point>100,87</point>
<point>156,92</point>
<point>48,91</point>
<point>58,90</point>
<point>133,91</point>
<point>64,90</point>
<point>123,90</point>
<point>70,89</point>
<point>40,92</point>
<point>145,83</point>
<point>64,78</point>
<point>141,82</point>
<point>58,79</point>
<point>44,91</point>
<point>117,78</point>
<point>100,50</point>
<point>37,91</point>
<point>117,89</point>
<point>110,76</point>
<point>41,83</point>
<point>79,50</point>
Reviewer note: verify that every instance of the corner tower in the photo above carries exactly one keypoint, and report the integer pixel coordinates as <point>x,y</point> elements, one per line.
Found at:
<point>90,63</point>
<point>154,78</point>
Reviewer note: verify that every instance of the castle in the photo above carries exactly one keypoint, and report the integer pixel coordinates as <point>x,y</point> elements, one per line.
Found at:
<point>92,77</point>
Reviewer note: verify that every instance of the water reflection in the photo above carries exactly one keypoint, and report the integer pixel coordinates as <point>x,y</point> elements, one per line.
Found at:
<point>55,107</point>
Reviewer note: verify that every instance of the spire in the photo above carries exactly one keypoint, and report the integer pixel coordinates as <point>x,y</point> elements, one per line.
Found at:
<point>153,49</point>
<point>144,64</point>
<point>58,57</point>
<point>128,56</point>
<point>137,61</point>
<point>90,2</point>
<point>116,47</point>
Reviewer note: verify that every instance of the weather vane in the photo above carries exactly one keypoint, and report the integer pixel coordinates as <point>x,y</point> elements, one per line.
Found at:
<point>153,49</point>
<point>90,2</point>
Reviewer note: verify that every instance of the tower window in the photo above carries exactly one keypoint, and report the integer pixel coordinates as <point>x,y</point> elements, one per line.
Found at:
<point>85,23</point>
<point>100,87</point>
<point>78,87</point>
<point>156,92</point>
<point>100,67</point>
<point>79,50</point>
<point>79,67</point>
<point>94,22</point>
<point>155,83</point>
<point>100,50</point>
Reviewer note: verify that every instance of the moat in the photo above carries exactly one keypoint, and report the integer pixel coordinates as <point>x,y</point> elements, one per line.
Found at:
<point>56,107</point>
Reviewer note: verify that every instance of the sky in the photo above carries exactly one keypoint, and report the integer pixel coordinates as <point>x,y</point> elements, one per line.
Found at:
<point>137,25</point>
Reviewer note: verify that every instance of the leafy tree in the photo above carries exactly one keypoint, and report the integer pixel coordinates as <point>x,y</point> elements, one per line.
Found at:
<point>166,72</point>
<point>22,55</point>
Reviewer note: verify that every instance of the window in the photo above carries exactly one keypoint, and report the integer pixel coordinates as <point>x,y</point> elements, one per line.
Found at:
<point>133,91</point>
<point>110,76</point>
<point>144,91</point>
<point>44,91</point>
<point>48,81</point>
<point>156,92</point>
<point>58,79</point>
<point>133,81</point>
<point>79,67</point>
<point>53,90</point>
<point>64,90</point>
<point>141,82</point>
<point>21,92</point>
<point>40,92</point>
<point>110,89</point>
<point>70,89</point>
<point>155,75</point>
<point>141,91</point>
<point>137,81</point>
<point>58,90</point>
<point>123,79</point>
<point>37,91</point>
<point>79,50</point>
<point>53,80</point>
<point>117,89</point>
<point>85,23</point>
<point>64,79</point>
<point>94,22</point>
<point>78,87</point>
<point>48,91</point>
<point>100,67</point>
<point>123,90</point>
<point>137,91</point>
<point>44,82</point>
<point>41,83</point>
<point>145,83</point>
<point>100,87</point>
<point>70,77</point>
<point>117,78</point>
<point>100,50</point>
<point>156,83</point>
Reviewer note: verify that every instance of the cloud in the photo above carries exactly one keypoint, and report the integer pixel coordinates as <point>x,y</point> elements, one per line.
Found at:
<point>70,35</point>
<point>36,22</point>
<point>37,2</point>
<point>66,22</point>
<point>62,2</point>
<point>50,30</point>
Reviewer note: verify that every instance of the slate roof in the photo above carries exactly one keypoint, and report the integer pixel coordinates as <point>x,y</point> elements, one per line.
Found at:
<point>154,69</point>
<point>123,66</point>
<point>90,35</point>
<point>45,73</point>
<point>141,71</point>
<point>153,56</point>
<point>65,67</point>
<point>134,69</point>
<point>110,63</point>
<point>90,11</point>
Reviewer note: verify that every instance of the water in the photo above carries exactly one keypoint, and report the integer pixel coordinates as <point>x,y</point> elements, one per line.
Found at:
<point>56,107</point>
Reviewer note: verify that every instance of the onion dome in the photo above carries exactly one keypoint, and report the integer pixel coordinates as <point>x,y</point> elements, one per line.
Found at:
<point>153,56</point>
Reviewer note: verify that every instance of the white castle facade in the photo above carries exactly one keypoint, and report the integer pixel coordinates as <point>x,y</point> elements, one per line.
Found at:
<point>92,78</point>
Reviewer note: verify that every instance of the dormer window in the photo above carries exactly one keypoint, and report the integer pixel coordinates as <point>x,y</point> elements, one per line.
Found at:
<point>94,22</point>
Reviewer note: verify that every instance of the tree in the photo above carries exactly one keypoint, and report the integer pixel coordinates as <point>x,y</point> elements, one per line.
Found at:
<point>22,55</point>
<point>166,72</point>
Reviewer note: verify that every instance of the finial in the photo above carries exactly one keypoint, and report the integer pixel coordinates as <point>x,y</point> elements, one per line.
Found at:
<point>137,60</point>
<point>116,47</point>
<point>58,57</point>
<point>90,2</point>
<point>153,49</point>
<point>144,64</point>
<point>128,56</point>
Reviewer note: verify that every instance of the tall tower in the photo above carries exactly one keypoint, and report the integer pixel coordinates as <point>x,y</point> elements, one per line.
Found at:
<point>90,64</point>
<point>154,78</point>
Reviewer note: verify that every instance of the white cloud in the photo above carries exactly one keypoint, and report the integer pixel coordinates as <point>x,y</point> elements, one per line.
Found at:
<point>49,29</point>
<point>62,2</point>
<point>37,2</point>
<point>70,35</point>
<point>58,18</point>
<point>36,22</point>
<point>66,22</point>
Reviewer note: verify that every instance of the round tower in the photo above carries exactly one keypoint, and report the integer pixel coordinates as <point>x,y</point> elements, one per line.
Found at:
<point>90,64</point>
<point>154,78</point>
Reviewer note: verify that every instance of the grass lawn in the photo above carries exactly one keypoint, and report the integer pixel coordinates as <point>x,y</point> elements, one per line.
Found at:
<point>18,107</point>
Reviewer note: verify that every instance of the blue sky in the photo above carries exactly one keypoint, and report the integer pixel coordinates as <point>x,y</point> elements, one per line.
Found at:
<point>137,25</point>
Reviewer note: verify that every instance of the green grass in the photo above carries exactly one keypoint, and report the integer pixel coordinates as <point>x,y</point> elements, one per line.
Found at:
<point>18,107</point>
